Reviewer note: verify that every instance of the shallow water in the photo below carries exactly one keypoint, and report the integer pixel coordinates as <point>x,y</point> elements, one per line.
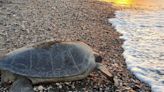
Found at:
<point>143,31</point>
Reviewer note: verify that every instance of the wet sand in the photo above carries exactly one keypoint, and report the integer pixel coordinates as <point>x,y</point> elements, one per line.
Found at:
<point>25,22</point>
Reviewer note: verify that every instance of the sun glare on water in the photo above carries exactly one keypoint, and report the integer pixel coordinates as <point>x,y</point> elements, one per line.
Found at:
<point>125,3</point>
<point>137,4</point>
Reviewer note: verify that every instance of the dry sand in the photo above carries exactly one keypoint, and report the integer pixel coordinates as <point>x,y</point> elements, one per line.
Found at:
<point>24,22</point>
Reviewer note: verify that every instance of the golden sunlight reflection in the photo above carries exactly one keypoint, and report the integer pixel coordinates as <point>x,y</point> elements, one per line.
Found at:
<point>125,3</point>
<point>144,4</point>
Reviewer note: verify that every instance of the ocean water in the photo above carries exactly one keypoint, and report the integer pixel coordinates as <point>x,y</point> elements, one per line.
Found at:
<point>143,31</point>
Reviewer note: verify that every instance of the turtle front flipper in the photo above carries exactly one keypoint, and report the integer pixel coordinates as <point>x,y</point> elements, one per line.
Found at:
<point>105,71</point>
<point>21,85</point>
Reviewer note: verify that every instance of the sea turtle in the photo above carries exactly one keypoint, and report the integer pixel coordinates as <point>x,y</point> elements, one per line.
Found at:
<point>48,61</point>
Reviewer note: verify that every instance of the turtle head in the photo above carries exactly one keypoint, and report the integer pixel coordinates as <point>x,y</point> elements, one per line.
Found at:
<point>98,58</point>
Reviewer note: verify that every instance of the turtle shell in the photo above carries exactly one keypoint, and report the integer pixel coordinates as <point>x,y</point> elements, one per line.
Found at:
<point>53,60</point>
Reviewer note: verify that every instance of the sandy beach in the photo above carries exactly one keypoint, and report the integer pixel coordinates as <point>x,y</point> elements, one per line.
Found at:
<point>24,22</point>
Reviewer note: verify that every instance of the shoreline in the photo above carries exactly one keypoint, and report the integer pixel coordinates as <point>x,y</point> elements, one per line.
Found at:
<point>28,21</point>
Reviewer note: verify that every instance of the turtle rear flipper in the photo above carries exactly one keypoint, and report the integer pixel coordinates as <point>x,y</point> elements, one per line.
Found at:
<point>22,85</point>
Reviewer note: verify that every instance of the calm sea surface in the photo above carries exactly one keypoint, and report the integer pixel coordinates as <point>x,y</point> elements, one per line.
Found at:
<point>143,31</point>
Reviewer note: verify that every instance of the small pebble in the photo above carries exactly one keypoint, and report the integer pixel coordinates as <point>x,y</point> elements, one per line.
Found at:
<point>57,84</point>
<point>60,86</point>
<point>40,88</point>
<point>72,86</point>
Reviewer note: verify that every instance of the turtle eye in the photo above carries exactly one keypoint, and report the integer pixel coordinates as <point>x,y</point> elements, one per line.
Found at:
<point>98,58</point>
